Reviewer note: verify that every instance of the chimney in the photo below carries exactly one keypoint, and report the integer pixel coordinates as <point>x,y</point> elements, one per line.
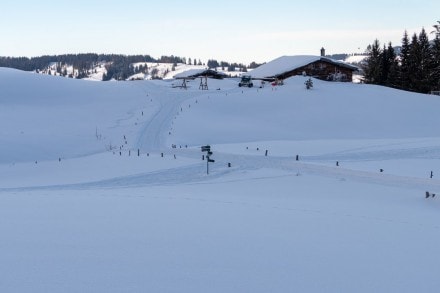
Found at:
<point>322,52</point>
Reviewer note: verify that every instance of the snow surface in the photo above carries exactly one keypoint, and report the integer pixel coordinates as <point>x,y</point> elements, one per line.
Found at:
<point>80,211</point>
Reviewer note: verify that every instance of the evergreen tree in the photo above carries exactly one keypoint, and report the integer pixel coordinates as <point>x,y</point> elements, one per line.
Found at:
<point>58,68</point>
<point>213,64</point>
<point>393,76</point>
<point>388,66</point>
<point>373,63</point>
<point>425,63</point>
<point>435,60</point>
<point>384,68</point>
<point>437,29</point>
<point>253,65</point>
<point>413,64</point>
<point>403,74</point>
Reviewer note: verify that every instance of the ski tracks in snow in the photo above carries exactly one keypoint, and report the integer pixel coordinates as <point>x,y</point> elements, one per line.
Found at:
<point>196,174</point>
<point>153,135</point>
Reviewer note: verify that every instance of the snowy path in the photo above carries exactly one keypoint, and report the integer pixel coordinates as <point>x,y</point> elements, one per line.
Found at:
<point>153,134</point>
<point>196,173</point>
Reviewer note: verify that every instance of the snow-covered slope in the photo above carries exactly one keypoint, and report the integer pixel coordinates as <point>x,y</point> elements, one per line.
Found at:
<point>103,187</point>
<point>48,117</point>
<point>328,111</point>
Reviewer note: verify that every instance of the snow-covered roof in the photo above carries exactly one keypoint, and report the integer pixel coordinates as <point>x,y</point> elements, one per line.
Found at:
<point>189,73</point>
<point>285,64</point>
<point>193,73</point>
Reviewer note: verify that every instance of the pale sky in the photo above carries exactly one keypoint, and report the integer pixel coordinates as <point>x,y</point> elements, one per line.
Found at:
<point>228,30</point>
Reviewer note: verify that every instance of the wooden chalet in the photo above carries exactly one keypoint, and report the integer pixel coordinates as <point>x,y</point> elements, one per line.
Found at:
<point>320,67</point>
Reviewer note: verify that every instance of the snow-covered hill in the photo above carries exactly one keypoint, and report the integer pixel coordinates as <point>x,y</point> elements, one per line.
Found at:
<point>103,187</point>
<point>154,70</point>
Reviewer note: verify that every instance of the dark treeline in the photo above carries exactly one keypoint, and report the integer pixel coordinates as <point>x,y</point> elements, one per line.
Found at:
<point>226,66</point>
<point>415,68</point>
<point>81,61</point>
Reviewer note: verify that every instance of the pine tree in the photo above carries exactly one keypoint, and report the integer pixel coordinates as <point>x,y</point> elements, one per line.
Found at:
<point>413,64</point>
<point>425,62</point>
<point>213,64</point>
<point>384,67</point>
<point>403,74</point>
<point>388,66</point>
<point>437,29</point>
<point>393,76</point>
<point>373,64</point>
<point>435,60</point>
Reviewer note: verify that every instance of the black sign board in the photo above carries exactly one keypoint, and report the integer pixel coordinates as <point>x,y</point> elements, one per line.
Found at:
<point>207,148</point>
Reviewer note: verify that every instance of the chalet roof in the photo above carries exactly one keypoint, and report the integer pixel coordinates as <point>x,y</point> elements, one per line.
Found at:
<point>194,73</point>
<point>284,64</point>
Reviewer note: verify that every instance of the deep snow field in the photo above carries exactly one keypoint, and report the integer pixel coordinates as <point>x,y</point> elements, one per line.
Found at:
<point>81,211</point>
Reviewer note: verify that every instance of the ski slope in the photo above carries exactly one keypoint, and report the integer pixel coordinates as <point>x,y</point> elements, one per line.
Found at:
<point>81,211</point>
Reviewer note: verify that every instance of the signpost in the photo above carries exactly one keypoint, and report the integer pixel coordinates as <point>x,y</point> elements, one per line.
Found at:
<point>207,149</point>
